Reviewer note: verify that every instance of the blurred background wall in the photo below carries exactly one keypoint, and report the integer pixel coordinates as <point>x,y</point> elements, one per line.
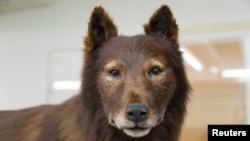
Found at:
<point>41,53</point>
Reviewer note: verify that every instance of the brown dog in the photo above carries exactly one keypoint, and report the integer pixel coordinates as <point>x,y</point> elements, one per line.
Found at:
<point>133,89</point>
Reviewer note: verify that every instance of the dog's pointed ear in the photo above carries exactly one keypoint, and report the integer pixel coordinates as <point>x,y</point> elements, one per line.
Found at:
<point>163,24</point>
<point>100,28</point>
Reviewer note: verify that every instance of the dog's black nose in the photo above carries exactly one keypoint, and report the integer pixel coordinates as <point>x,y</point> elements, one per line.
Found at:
<point>137,112</point>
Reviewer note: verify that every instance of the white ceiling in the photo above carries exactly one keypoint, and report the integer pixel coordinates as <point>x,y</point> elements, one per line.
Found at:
<point>16,5</point>
<point>191,13</point>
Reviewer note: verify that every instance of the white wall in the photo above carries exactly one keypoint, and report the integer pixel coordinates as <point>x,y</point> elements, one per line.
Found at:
<point>27,36</point>
<point>247,65</point>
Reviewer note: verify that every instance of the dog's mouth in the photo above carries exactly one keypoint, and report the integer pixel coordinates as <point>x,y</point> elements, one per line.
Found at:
<point>137,128</point>
<point>137,131</point>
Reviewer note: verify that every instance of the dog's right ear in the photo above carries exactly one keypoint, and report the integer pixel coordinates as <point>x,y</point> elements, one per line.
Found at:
<point>100,29</point>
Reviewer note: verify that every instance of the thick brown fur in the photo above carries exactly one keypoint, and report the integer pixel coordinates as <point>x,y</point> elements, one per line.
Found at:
<point>118,72</point>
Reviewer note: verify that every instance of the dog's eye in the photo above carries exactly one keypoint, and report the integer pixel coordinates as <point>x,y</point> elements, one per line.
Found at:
<point>154,71</point>
<point>114,72</point>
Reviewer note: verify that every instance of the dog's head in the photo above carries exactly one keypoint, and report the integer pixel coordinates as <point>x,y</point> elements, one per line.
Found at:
<point>136,76</point>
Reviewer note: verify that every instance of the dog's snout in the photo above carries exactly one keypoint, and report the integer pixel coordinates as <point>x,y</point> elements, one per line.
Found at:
<point>136,112</point>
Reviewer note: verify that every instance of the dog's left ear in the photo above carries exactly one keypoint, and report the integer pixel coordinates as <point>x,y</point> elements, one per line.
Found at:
<point>100,29</point>
<point>163,24</point>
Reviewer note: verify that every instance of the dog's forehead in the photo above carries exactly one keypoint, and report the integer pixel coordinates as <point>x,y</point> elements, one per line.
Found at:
<point>134,42</point>
<point>133,48</point>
